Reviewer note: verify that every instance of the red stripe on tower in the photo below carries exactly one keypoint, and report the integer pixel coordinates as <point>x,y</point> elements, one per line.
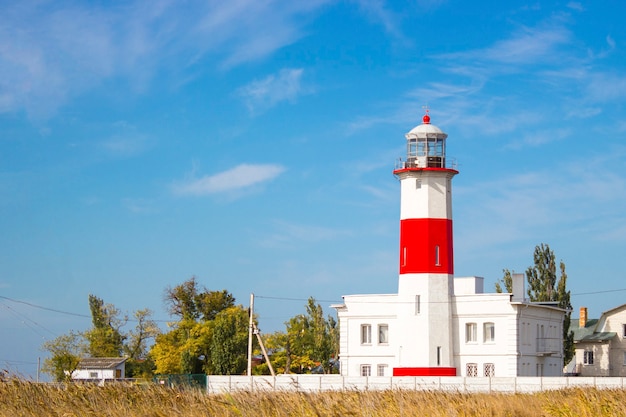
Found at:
<point>426,246</point>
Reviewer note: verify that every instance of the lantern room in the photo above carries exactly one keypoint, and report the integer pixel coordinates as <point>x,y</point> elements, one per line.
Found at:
<point>426,146</point>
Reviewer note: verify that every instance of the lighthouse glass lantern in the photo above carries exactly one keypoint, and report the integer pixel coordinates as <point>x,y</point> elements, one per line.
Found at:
<point>426,148</point>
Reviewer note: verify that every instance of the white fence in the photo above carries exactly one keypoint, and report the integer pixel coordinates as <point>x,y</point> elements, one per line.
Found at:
<point>312,383</point>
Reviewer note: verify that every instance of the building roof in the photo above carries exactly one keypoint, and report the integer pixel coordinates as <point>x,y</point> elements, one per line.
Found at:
<point>426,128</point>
<point>100,363</point>
<point>589,333</point>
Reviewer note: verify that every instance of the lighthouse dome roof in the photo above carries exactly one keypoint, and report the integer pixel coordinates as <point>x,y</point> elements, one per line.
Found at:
<point>426,130</point>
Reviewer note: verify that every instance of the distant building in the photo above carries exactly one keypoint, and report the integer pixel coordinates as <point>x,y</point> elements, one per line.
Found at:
<point>600,344</point>
<point>438,325</point>
<point>100,369</point>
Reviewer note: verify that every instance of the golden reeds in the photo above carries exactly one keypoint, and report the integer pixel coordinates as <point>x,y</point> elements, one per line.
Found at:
<point>22,398</point>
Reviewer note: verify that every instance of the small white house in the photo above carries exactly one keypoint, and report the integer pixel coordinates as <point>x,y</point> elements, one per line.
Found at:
<point>439,325</point>
<point>100,369</point>
<point>600,344</point>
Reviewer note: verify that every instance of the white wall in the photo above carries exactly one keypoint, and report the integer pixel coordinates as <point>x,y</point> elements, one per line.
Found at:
<point>313,383</point>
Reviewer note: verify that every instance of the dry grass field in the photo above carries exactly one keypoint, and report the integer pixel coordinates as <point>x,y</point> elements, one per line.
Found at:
<point>21,398</point>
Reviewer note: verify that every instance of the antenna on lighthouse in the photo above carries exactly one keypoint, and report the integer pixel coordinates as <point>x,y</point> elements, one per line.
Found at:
<point>426,118</point>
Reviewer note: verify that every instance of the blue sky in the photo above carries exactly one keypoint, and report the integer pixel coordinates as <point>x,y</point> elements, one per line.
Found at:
<point>251,144</point>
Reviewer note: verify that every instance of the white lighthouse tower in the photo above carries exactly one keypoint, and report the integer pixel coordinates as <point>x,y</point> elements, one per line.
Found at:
<point>437,324</point>
<point>425,285</point>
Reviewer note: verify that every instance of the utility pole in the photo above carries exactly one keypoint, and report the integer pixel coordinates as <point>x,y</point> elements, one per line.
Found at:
<point>250,334</point>
<point>267,358</point>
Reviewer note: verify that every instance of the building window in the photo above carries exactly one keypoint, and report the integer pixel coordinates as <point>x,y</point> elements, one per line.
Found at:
<point>588,357</point>
<point>489,332</point>
<point>437,255</point>
<point>470,332</point>
<point>366,334</point>
<point>93,375</point>
<point>625,357</point>
<point>624,330</point>
<point>471,369</point>
<point>438,355</point>
<point>490,370</point>
<point>417,305</point>
<point>383,333</point>
<point>382,370</point>
<point>366,370</point>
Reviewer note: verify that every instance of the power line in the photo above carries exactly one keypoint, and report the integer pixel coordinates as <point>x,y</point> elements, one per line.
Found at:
<point>44,308</point>
<point>69,313</point>
<point>26,319</point>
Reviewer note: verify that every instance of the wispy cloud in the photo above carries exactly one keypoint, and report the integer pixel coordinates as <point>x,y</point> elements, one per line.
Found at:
<point>526,46</point>
<point>52,52</point>
<point>564,200</point>
<point>286,234</point>
<point>263,94</point>
<point>237,178</point>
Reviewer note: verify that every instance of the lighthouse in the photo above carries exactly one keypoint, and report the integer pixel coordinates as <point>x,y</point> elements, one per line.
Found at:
<point>425,284</point>
<point>437,324</point>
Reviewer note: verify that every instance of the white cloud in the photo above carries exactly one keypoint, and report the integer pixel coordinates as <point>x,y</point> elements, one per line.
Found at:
<point>527,46</point>
<point>50,53</point>
<point>604,87</point>
<point>288,234</point>
<point>239,177</point>
<point>262,94</point>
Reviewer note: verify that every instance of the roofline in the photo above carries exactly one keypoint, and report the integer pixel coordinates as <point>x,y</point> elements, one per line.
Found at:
<point>609,310</point>
<point>417,169</point>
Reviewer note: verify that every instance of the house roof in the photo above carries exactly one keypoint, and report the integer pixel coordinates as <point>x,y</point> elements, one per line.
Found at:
<point>100,363</point>
<point>589,333</point>
<point>597,337</point>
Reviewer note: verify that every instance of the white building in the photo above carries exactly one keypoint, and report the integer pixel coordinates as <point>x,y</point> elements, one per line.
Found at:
<point>438,325</point>
<point>100,369</point>
<point>600,344</point>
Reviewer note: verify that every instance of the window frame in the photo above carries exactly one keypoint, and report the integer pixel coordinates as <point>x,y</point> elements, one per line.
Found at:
<point>489,370</point>
<point>366,370</point>
<point>471,369</point>
<point>381,369</point>
<point>471,332</point>
<point>489,332</point>
<point>588,358</point>
<point>366,334</point>
<point>381,335</point>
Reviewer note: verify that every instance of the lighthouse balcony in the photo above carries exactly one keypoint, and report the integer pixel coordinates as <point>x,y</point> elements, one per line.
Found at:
<point>426,162</point>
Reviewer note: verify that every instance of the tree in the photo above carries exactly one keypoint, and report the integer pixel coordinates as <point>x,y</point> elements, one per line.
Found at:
<point>189,302</point>
<point>105,338</point>
<point>229,342</point>
<point>543,285</point>
<point>507,281</point>
<point>189,346</point>
<point>310,341</point>
<point>139,364</point>
<point>66,351</point>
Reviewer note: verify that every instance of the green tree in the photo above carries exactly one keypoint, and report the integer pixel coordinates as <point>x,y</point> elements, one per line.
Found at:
<point>65,353</point>
<point>544,285</point>
<point>139,363</point>
<point>507,281</point>
<point>310,340</point>
<point>105,338</point>
<point>190,302</point>
<point>229,342</point>
<point>188,347</point>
